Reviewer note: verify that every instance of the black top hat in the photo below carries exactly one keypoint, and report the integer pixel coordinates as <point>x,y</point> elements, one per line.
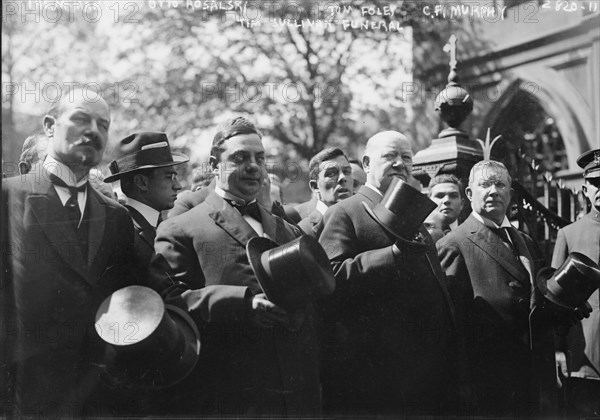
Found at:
<point>402,210</point>
<point>151,345</point>
<point>291,275</point>
<point>571,285</point>
<point>143,151</point>
<point>590,163</point>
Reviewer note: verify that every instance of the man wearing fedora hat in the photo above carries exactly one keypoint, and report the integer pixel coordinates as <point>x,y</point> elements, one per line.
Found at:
<point>579,355</point>
<point>253,360</point>
<point>145,166</point>
<point>388,326</point>
<point>491,269</point>
<point>65,248</point>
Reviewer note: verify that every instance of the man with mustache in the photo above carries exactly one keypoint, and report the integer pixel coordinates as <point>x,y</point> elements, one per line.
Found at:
<point>331,181</point>
<point>578,357</point>
<point>65,248</point>
<point>388,326</point>
<point>145,166</point>
<point>491,269</point>
<point>445,191</point>
<point>256,359</point>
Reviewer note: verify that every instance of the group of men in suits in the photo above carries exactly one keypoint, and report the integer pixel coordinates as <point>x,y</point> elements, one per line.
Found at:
<point>404,333</point>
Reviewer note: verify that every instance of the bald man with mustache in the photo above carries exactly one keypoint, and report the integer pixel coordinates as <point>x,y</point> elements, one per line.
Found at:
<point>389,326</point>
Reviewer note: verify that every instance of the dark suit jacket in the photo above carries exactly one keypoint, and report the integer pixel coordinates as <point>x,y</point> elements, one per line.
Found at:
<point>50,295</point>
<point>201,265</point>
<point>493,295</point>
<point>312,224</point>
<point>388,328</point>
<point>143,242</point>
<point>581,344</point>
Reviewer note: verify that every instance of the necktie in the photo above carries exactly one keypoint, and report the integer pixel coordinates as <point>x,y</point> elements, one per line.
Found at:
<point>159,221</point>
<point>72,204</point>
<point>250,209</point>
<point>503,234</point>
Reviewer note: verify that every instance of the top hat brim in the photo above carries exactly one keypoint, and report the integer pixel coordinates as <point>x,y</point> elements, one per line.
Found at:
<point>178,159</point>
<point>255,248</point>
<point>388,229</point>
<point>131,374</point>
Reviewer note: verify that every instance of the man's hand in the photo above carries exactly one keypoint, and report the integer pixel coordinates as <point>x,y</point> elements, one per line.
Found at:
<point>561,367</point>
<point>265,314</point>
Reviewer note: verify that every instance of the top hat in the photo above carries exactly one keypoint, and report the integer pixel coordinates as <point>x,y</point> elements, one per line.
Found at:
<point>291,275</point>
<point>402,210</point>
<point>151,345</point>
<point>144,150</point>
<point>571,285</point>
<point>590,163</point>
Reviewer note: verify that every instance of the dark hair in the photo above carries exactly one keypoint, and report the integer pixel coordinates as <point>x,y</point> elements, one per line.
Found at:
<point>34,150</point>
<point>445,179</point>
<point>322,156</point>
<point>356,162</point>
<point>228,129</point>
<point>127,183</point>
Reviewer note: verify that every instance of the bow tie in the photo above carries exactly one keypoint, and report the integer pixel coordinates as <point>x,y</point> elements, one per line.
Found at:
<point>250,209</point>
<point>59,182</point>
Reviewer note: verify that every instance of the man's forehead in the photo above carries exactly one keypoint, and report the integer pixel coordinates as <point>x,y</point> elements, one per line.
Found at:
<point>490,173</point>
<point>97,106</point>
<point>335,162</point>
<point>244,143</point>
<point>444,186</point>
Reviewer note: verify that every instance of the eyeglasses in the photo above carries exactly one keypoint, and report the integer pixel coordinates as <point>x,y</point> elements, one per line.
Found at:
<point>500,186</point>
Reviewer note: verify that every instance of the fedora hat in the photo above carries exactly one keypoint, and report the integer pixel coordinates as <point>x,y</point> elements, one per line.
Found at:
<point>291,275</point>
<point>145,150</point>
<point>402,210</point>
<point>571,285</point>
<point>150,344</point>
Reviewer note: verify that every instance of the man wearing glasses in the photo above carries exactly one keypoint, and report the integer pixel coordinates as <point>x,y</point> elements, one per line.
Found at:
<point>490,269</point>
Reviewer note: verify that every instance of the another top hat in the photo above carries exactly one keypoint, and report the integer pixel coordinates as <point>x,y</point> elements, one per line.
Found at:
<point>571,285</point>
<point>402,210</point>
<point>144,150</point>
<point>291,275</point>
<point>590,163</point>
<point>151,345</point>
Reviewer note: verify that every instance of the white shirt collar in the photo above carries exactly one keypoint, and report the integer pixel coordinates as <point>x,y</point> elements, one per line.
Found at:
<point>489,223</point>
<point>151,215</point>
<point>63,172</point>
<point>321,207</point>
<point>228,196</point>
<point>454,224</point>
<point>374,189</point>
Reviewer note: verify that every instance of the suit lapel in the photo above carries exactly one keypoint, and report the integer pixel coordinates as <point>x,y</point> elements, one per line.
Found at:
<point>482,237</point>
<point>50,213</point>
<point>146,231</point>
<point>97,223</point>
<point>369,194</point>
<point>229,219</point>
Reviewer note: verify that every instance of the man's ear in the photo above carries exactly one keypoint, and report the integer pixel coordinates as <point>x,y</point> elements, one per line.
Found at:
<point>141,181</point>
<point>49,125</point>
<point>213,161</point>
<point>313,185</point>
<point>584,189</point>
<point>469,193</point>
<point>365,161</point>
